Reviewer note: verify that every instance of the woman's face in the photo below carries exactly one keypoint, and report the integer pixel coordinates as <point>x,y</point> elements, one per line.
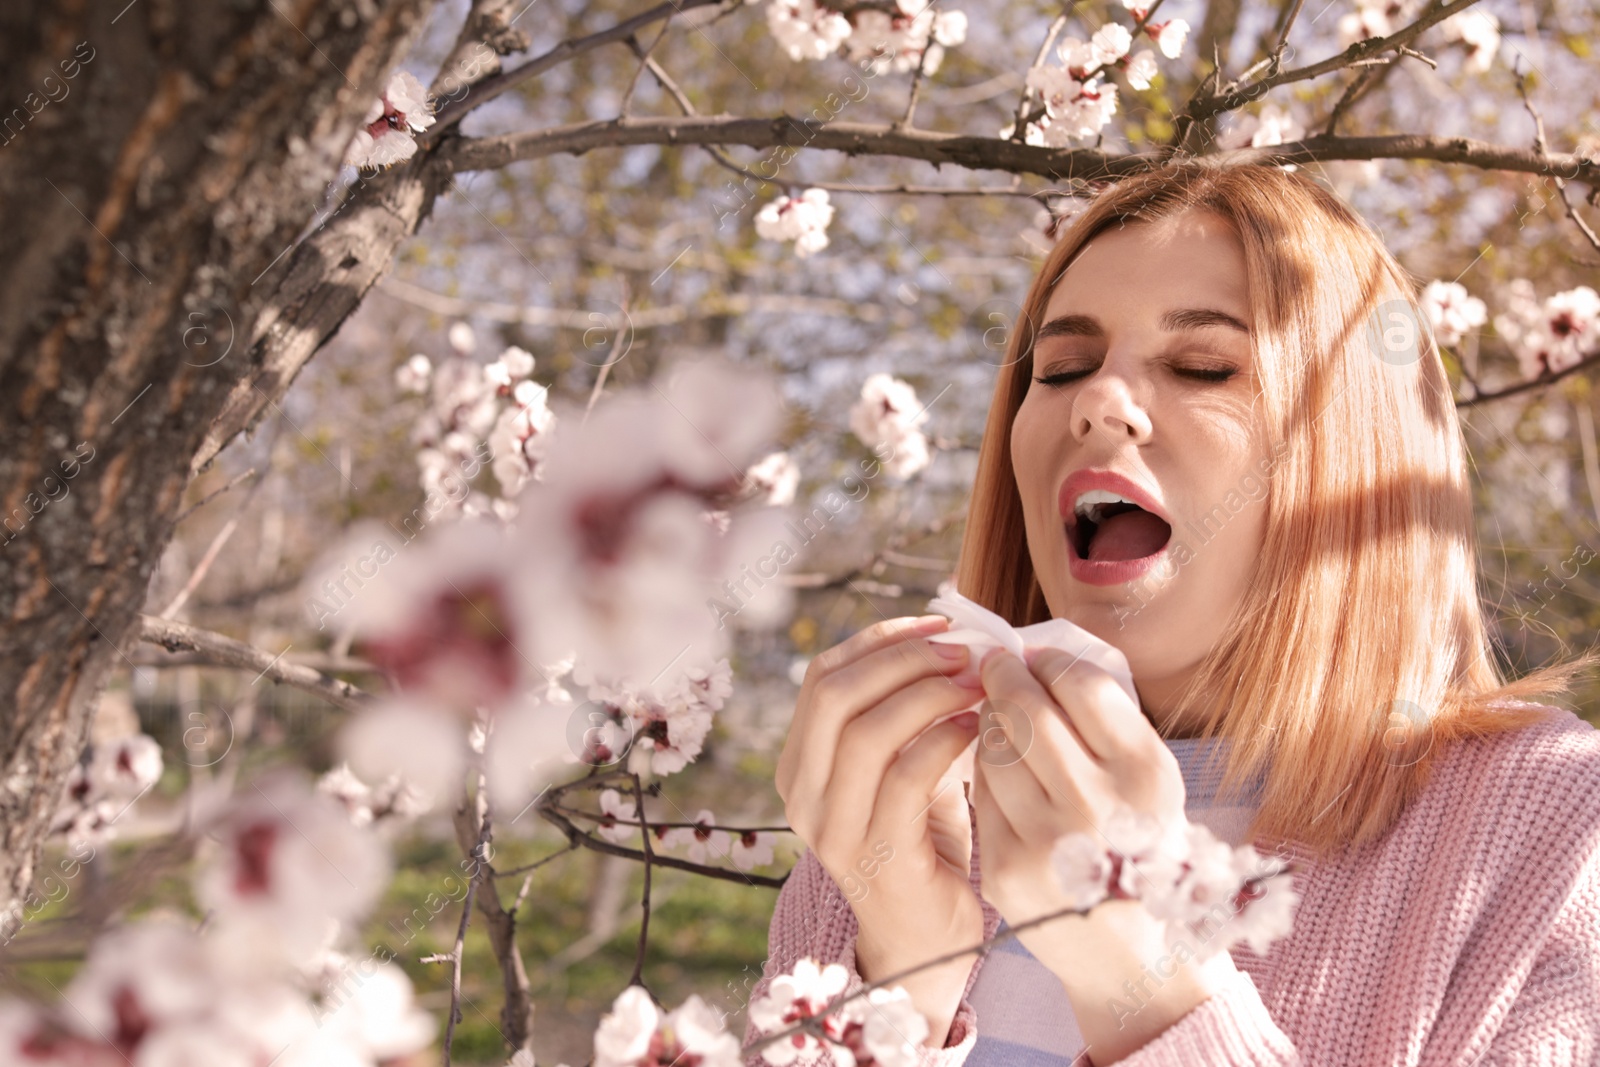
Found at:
<point>1137,449</point>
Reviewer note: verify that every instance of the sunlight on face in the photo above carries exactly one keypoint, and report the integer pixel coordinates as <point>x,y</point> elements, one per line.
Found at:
<point>1137,449</point>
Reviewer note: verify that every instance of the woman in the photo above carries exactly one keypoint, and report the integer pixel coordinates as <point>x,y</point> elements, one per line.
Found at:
<point>1229,445</point>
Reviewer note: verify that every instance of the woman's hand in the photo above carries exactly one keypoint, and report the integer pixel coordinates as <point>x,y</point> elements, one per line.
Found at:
<point>1077,749</point>
<point>875,818</point>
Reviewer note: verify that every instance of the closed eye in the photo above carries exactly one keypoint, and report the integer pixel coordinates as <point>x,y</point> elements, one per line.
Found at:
<point>1217,373</point>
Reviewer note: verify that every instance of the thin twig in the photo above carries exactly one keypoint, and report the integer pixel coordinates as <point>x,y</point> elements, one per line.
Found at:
<point>644,900</point>
<point>209,497</point>
<point>577,836</point>
<point>490,88</point>
<point>1540,382</point>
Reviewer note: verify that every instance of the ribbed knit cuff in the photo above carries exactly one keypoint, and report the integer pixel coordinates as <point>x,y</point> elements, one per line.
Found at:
<point>1229,1027</point>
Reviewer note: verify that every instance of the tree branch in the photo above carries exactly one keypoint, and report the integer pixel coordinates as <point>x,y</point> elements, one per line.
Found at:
<point>490,88</point>
<point>222,651</point>
<point>985,153</point>
<point>1235,95</point>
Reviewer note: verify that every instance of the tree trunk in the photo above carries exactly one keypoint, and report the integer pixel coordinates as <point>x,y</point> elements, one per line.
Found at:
<point>155,161</point>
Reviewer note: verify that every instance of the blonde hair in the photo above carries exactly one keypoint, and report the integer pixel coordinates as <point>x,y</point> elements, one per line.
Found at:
<point>1359,650</point>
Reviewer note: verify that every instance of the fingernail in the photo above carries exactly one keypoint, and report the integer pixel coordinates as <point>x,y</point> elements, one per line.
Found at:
<point>949,651</point>
<point>989,655</point>
<point>930,624</point>
<point>966,720</point>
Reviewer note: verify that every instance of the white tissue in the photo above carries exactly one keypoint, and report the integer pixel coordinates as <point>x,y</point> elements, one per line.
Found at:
<point>980,629</point>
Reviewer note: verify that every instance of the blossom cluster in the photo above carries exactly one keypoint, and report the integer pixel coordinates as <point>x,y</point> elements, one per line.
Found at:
<point>476,411</point>
<point>1550,335</point>
<point>1547,336</point>
<point>888,418</point>
<point>596,578</point>
<point>386,134</point>
<point>1077,103</point>
<point>284,874</point>
<point>1204,889</point>
<point>1477,30</point>
<point>102,787</point>
<point>914,34</point>
<point>882,1028</point>
<point>802,219</point>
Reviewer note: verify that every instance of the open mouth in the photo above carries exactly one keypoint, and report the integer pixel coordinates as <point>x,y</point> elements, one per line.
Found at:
<point>1107,528</point>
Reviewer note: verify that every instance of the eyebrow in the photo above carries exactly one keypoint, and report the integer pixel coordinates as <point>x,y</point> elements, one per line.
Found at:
<point>1172,321</point>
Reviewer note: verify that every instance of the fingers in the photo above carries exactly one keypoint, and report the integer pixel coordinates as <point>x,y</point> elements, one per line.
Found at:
<point>1112,726</point>
<point>874,637</point>
<point>845,790</point>
<point>839,697</point>
<point>1055,752</point>
<point>909,784</point>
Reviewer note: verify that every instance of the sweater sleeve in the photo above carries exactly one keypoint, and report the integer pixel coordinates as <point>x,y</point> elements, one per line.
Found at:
<point>812,917</point>
<point>1230,1027</point>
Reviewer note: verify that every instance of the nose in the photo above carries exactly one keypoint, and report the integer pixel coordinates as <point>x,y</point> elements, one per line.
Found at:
<point>1105,405</point>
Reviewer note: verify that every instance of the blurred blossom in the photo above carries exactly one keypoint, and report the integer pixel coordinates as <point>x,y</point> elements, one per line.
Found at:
<point>776,477</point>
<point>1479,30</point>
<point>1142,69</point>
<point>806,29</point>
<point>1181,875</point>
<point>100,791</point>
<point>753,849</point>
<point>802,219</point>
<point>888,416</point>
<point>393,800</point>
<point>287,867</point>
<point>1452,312</point>
<point>413,375</point>
<point>619,557</point>
<point>1169,36</point>
<point>1549,336</point>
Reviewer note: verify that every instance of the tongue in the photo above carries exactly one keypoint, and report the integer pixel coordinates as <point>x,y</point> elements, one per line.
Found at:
<point>1131,534</point>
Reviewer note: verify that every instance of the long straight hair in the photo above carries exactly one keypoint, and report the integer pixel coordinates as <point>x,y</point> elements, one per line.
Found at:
<point>1360,649</point>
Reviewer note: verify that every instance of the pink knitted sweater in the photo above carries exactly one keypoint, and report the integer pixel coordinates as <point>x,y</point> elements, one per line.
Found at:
<point>1468,934</point>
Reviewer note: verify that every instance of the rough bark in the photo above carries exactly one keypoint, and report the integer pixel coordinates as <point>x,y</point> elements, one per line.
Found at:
<point>154,162</point>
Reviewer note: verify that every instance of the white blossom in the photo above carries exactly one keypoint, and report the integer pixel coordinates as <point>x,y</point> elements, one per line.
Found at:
<point>1479,30</point>
<point>1552,335</point>
<point>753,848</point>
<point>803,220</point>
<point>775,477</point>
<point>886,416</point>
<point>1169,36</point>
<point>617,553</point>
<point>1110,43</point>
<point>1452,312</point>
<point>613,807</point>
<point>806,29</point>
<point>1142,69</point>
<point>800,994</point>
<point>287,864</point>
<point>386,134</point>
<point>635,1033</point>
<point>1209,895</point>
<point>413,375</point>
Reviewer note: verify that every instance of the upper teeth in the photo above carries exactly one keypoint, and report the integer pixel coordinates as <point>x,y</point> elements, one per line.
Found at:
<point>1090,504</point>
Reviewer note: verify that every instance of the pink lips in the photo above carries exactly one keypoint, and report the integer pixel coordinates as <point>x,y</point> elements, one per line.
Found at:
<point>1106,572</point>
